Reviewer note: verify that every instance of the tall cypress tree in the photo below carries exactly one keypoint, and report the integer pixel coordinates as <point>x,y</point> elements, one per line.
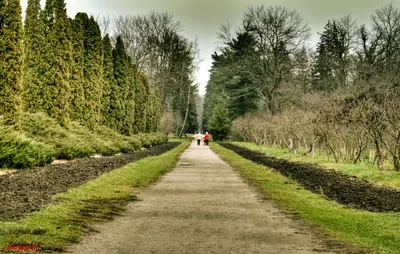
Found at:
<point>93,71</point>
<point>129,97</point>
<point>10,61</point>
<point>58,61</point>
<point>142,91</point>
<point>121,81</point>
<point>109,85</point>
<point>77,75</point>
<point>33,63</point>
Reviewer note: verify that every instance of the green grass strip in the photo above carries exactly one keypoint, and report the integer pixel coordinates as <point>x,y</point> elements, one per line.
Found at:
<point>375,232</point>
<point>66,220</point>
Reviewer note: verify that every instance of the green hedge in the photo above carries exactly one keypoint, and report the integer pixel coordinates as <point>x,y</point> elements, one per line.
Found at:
<point>42,140</point>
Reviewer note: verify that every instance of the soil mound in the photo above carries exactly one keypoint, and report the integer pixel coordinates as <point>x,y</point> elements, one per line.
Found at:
<point>342,188</point>
<point>26,191</point>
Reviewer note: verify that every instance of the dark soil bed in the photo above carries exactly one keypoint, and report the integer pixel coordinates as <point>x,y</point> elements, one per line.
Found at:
<point>28,190</point>
<point>344,189</point>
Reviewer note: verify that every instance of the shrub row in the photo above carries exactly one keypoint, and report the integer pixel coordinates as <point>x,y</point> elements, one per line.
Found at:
<point>42,140</point>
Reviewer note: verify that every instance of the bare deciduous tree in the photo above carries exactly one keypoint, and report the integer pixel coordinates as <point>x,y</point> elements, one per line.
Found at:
<point>279,32</point>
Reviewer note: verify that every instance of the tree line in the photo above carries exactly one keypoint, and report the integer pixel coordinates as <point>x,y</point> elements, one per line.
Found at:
<point>155,43</point>
<point>340,98</point>
<point>74,69</point>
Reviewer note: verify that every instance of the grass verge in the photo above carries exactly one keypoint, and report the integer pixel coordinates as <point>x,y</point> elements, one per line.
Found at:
<point>64,221</point>
<point>366,171</point>
<point>373,232</point>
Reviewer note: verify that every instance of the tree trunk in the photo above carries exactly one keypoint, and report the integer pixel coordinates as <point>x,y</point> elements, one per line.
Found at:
<point>379,155</point>
<point>396,163</point>
<point>360,150</point>
<point>186,113</point>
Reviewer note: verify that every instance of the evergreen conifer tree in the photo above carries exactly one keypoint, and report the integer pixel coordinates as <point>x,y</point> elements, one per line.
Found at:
<point>109,85</point>
<point>219,122</point>
<point>141,97</point>
<point>157,110</point>
<point>10,61</point>
<point>77,74</point>
<point>57,60</point>
<point>150,111</point>
<point>33,63</point>
<point>192,125</point>
<point>121,81</point>
<point>129,97</point>
<point>93,72</point>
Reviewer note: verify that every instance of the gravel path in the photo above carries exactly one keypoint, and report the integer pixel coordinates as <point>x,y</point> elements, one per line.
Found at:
<point>203,206</point>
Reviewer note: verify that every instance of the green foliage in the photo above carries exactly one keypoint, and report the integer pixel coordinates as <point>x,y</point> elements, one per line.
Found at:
<point>243,97</point>
<point>93,73</point>
<point>192,125</point>
<point>66,144</point>
<point>129,97</point>
<point>109,85</point>
<point>142,90</point>
<point>33,63</point>
<point>219,123</point>
<point>10,61</point>
<point>57,60</point>
<point>123,143</point>
<point>152,139</point>
<point>18,151</point>
<point>329,68</point>
<point>121,83</point>
<point>77,104</point>
<point>78,141</point>
<point>69,72</point>
<point>231,76</point>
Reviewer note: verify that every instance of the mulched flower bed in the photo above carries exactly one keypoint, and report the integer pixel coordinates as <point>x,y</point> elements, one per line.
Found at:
<point>26,191</point>
<point>342,188</point>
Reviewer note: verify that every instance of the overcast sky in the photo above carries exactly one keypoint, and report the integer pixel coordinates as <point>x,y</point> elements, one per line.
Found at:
<point>202,18</point>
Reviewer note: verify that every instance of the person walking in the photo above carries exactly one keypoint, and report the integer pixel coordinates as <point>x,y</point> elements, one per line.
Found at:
<point>206,138</point>
<point>199,137</point>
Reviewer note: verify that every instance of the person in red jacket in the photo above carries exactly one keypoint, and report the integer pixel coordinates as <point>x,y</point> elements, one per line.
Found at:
<point>206,138</point>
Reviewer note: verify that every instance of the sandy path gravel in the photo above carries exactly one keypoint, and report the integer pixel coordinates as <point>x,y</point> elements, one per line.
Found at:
<point>202,206</point>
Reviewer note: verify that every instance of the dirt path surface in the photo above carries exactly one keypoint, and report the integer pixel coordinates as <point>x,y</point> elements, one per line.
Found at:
<point>203,206</point>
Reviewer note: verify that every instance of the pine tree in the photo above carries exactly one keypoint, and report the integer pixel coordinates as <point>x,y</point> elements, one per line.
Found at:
<point>93,72</point>
<point>77,74</point>
<point>219,122</point>
<point>33,63</point>
<point>10,61</point>
<point>109,85</point>
<point>329,71</point>
<point>57,61</point>
<point>141,97</point>
<point>192,125</point>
